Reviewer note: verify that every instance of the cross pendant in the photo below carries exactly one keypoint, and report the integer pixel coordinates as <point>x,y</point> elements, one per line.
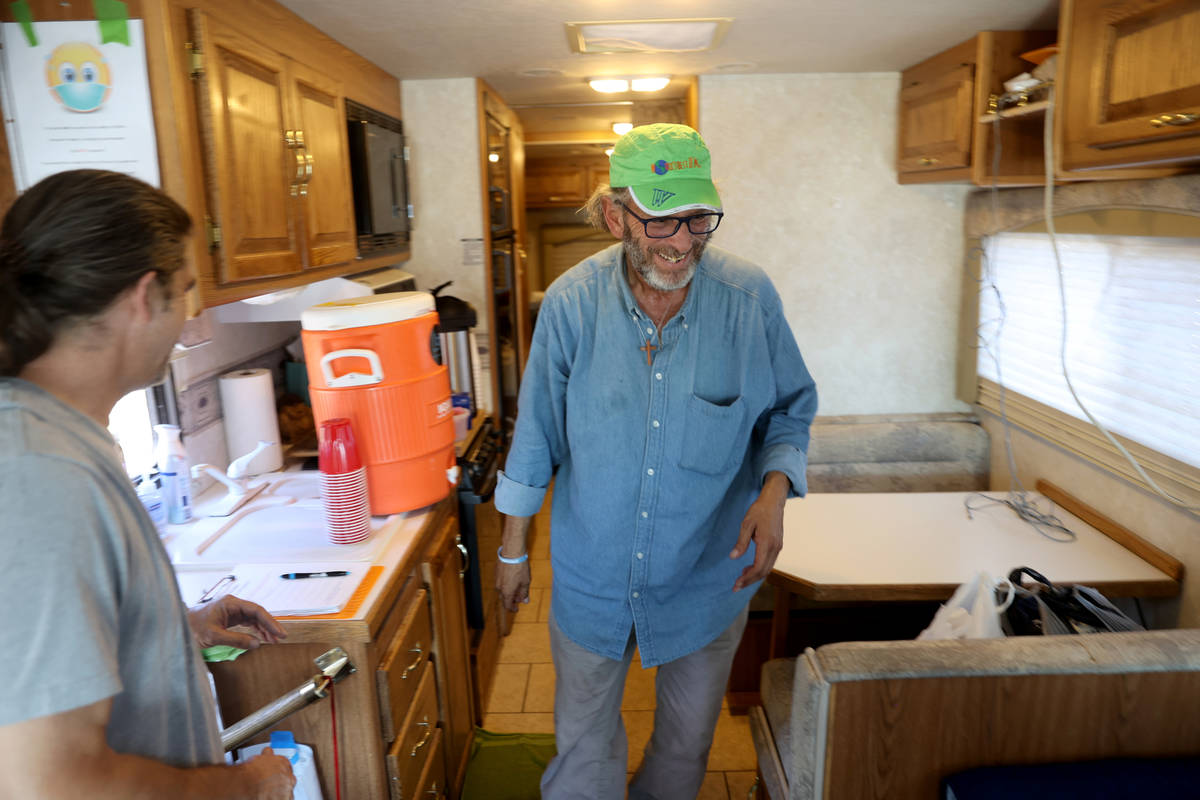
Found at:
<point>647,348</point>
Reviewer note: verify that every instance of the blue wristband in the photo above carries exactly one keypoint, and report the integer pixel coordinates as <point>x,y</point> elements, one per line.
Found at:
<point>523,558</point>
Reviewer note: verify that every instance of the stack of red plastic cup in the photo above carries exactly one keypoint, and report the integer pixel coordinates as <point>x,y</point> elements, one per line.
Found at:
<point>343,483</point>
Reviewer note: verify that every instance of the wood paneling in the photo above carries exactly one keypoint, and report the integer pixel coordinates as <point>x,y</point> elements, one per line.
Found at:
<point>897,738</point>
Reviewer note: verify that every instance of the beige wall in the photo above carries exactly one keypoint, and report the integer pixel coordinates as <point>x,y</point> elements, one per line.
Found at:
<point>870,272</point>
<point>441,125</point>
<point>1173,530</point>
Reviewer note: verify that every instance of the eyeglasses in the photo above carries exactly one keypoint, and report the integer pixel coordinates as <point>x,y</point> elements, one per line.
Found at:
<point>666,227</point>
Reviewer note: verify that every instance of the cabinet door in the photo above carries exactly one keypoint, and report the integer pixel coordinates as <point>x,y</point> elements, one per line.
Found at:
<point>251,170</point>
<point>442,572</point>
<point>555,185</point>
<point>327,203</point>
<point>936,122</point>
<point>1131,82</point>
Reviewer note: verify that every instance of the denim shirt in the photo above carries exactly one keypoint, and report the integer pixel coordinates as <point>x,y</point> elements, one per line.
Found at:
<point>655,465</point>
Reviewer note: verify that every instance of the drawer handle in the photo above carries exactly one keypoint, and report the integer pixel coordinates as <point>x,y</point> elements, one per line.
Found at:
<point>466,557</point>
<point>927,160</point>
<point>1174,119</point>
<point>416,662</point>
<point>424,739</point>
<point>434,791</point>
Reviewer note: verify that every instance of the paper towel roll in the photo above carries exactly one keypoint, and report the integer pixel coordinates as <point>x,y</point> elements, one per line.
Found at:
<point>248,401</point>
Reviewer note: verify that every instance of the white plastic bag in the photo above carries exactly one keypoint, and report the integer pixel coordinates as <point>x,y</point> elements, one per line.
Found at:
<point>971,612</point>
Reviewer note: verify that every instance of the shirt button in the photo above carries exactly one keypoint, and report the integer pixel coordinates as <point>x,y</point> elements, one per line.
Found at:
<point>644,515</point>
<point>635,595</point>
<point>649,330</point>
<point>685,326</point>
<point>654,423</point>
<point>658,375</point>
<point>640,555</point>
<point>650,471</point>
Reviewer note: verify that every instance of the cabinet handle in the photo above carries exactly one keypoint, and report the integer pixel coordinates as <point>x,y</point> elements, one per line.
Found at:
<point>424,739</point>
<point>308,166</point>
<point>434,791</point>
<point>462,552</point>
<point>416,662</point>
<point>1174,119</point>
<point>927,160</point>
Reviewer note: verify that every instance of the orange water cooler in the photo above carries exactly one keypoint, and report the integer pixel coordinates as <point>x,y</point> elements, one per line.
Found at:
<point>370,359</point>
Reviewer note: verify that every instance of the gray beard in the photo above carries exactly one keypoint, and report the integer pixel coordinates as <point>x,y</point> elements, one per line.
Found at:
<point>639,260</point>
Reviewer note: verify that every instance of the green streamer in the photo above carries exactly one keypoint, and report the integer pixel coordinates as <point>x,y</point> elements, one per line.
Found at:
<point>113,17</point>
<point>22,14</point>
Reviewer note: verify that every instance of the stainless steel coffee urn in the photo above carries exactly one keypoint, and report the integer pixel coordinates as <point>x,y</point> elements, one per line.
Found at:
<point>456,317</point>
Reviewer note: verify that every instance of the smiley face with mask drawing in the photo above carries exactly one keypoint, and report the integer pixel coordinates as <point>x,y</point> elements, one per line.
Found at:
<point>78,76</point>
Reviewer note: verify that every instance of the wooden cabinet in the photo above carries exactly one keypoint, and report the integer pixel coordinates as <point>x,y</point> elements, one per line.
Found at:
<point>1129,82</point>
<point>276,161</point>
<point>403,720</point>
<point>940,135</point>
<point>562,183</point>
<point>442,571</point>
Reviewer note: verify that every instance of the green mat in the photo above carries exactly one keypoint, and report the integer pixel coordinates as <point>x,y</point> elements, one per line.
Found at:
<point>507,766</point>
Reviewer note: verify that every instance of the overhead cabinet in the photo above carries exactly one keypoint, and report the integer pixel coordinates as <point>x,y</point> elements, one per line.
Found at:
<point>1130,82</point>
<point>942,136</point>
<point>562,183</point>
<point>276,165</point>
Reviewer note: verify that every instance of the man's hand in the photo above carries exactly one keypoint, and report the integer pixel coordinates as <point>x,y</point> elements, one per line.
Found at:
<point>512,582</point>
<point>269,777</point>
<point>763,524</point>
<point>211,623</point>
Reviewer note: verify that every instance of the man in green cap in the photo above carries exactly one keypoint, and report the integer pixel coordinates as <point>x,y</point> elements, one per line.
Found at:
<point>666,395</point>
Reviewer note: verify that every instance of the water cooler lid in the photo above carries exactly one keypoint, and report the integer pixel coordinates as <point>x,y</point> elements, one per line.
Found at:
<point>359,312</point>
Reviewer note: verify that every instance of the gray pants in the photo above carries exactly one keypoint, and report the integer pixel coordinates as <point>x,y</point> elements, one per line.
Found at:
<point>590,735</point>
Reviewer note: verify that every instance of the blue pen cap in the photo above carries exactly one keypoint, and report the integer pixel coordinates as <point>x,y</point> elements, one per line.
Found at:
<point>284,740</point>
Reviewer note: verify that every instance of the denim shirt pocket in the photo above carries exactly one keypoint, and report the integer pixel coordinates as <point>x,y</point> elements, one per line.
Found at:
<point>713,435</point>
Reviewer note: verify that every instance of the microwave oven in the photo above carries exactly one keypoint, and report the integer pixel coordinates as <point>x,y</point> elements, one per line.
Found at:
<point>379,179</point>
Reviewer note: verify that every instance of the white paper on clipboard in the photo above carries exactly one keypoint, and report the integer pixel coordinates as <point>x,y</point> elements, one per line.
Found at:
<point>71,102</point>
<point>262,584</point>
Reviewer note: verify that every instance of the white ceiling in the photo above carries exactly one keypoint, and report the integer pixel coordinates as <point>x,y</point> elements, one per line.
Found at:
<point>497,41</point>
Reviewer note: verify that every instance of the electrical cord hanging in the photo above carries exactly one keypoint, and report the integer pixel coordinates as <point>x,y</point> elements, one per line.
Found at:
<point>1048,211</point>
<point>1017,498</point>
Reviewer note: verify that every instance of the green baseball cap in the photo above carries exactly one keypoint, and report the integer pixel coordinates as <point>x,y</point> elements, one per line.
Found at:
<point>666,167</point>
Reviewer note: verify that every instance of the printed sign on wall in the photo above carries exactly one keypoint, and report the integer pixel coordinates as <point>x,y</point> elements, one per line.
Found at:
<point>72,101</point>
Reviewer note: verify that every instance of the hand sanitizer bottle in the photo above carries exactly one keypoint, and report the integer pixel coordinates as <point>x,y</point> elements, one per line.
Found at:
<point>152,499</point>
<point>176,478</point>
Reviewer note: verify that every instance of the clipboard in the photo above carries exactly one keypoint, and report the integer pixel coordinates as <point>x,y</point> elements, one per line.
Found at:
<point>262,584</point>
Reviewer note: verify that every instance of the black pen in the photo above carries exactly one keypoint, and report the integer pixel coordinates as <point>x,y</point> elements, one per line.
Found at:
<point>337,573</point>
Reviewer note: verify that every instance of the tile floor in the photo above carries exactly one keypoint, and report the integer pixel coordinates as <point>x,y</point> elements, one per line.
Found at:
<point>522,694</point>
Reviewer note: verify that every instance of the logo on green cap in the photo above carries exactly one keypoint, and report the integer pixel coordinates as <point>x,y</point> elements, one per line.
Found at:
<point>661,196</point>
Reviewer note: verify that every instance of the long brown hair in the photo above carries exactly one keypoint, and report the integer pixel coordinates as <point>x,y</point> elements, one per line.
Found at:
<point>69,247</point>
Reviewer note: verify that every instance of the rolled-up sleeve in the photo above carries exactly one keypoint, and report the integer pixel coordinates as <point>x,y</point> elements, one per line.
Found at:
<point>785,427</point>
<point>538,438</point>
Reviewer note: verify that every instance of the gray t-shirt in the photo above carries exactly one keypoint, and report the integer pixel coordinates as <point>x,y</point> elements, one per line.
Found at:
<point>88,600</point>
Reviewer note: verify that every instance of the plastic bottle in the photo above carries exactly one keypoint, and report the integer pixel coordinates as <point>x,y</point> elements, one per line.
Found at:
<point>152,499</point>
<point>173,468</point>
<point>308,787</point>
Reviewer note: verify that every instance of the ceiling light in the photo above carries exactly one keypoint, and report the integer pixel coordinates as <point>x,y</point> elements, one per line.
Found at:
<point>647,36</point>
<point>649,84</point>
<point>609,85</point>
<point>493,157</point>
<point>622,128</point>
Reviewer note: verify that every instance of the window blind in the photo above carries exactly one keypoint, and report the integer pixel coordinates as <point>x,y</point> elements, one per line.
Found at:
<point>1133,331</point>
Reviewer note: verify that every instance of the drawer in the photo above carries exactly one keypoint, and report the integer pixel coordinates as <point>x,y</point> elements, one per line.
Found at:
<point>407,756</point>
<point>400,668</point>
<point>432,783</point>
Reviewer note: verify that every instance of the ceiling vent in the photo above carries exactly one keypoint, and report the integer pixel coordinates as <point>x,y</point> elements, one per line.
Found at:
<point>647,36</point>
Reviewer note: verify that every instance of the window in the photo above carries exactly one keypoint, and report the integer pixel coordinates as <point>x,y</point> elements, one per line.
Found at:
<point>130,424</point>
<point>1133,345</point>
